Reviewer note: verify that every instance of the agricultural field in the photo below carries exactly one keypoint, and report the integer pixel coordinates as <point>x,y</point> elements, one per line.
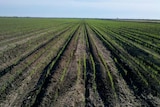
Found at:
<point>79,63</point>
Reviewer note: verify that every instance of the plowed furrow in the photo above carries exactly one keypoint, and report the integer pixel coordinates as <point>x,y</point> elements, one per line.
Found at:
<point>27,54</point>
<point>103,83</point>
<point>33,96</point>
<point>92,97</point>
<point>130,73</point>
<point>30,75</point>
<point>124,96</point>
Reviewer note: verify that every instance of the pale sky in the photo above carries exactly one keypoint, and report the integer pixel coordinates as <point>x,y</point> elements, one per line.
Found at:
<point>136,9</point>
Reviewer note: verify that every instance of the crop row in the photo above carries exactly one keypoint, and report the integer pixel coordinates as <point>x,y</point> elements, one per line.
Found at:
<point>29,66</point>
<point>73,62</point>
<point>137,63</point>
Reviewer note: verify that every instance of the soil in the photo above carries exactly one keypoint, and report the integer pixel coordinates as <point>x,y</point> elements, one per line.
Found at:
<point>73,69</point>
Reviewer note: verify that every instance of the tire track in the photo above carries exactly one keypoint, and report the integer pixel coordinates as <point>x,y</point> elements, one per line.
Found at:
<point>92,97</point>
<point>102,80</point>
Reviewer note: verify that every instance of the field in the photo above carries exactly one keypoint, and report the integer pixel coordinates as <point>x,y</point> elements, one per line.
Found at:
<point>79,63</point>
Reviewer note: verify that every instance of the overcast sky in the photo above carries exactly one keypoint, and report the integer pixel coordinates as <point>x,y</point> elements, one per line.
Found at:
<point>137,9</point>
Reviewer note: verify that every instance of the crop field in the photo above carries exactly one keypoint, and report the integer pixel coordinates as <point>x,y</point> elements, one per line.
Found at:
<point>79,63</point>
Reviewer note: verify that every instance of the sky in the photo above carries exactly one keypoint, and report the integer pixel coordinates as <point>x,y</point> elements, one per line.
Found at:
<point>131,9</point>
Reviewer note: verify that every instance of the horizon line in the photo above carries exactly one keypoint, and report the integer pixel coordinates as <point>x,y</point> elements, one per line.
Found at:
<point>79,18</point>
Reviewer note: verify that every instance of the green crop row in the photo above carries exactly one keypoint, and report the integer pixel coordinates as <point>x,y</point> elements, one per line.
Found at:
<point>133,52</point>
<point>28,62</point>
<point>48,71</point>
